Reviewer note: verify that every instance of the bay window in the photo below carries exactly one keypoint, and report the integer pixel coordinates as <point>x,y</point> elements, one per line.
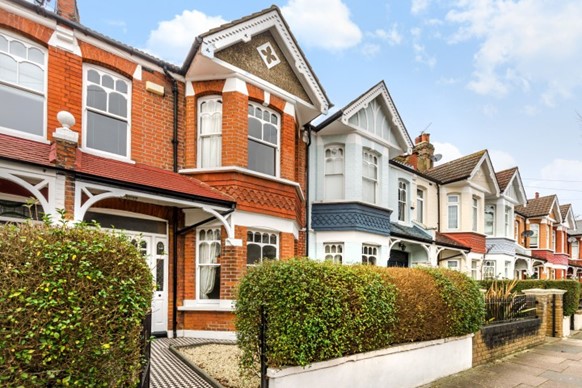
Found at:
<point>210,132</point>
<point>453,211</point>
<point>260,246</point>
<point>369,176</point>
<point>263,139</point>
<point>208,267</point>
<point>334,172</point>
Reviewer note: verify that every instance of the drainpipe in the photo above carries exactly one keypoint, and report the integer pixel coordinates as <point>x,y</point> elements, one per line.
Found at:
<point>308,128</point>
<point>175,209</point>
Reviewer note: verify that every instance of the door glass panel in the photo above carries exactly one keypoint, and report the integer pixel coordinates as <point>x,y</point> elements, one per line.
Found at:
<point>160,249</point>
<point>160,274</point>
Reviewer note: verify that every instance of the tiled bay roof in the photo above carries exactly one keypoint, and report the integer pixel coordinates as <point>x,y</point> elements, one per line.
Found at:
<point>564,210</point>
<point>441,239</point>
<point>457,169</point>
<point>537,207</point>
<point>504,177</point>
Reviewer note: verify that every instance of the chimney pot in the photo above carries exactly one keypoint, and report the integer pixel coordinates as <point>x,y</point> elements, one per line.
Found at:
<point>537,194</point>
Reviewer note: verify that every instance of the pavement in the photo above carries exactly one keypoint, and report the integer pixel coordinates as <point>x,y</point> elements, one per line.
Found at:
<point>555,364</point>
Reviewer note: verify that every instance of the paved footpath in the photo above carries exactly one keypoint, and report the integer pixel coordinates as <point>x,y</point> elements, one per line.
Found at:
<point>557,363</point>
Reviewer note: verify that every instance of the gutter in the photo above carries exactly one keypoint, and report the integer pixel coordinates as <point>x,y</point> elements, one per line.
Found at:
<point>308,128</point>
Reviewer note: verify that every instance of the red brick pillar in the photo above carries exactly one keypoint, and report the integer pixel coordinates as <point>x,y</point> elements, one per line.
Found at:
<point>233,264</point>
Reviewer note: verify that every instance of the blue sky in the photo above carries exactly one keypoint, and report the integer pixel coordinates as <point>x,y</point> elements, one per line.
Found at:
<point>494,74</point>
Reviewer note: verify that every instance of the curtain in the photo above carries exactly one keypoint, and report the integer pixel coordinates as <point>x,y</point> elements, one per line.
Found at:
<point>208,253</point>
<point>210,134</point>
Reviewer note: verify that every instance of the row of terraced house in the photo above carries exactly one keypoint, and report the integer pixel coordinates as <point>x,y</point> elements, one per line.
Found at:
<point>216,165</point>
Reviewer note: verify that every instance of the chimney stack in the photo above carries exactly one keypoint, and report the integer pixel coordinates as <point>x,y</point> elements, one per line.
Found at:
<point>422,153</point>
<point>537,195</point>
<point>68,9</point>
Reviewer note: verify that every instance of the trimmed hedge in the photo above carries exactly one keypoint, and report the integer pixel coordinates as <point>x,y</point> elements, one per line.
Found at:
<point>318,311</point>
<point>571,297</point>
<point>72,303</point>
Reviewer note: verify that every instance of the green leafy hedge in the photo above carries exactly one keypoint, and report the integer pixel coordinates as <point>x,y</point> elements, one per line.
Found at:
<point>318,311</point>
<point>571,297</point>
<point>72,302</point>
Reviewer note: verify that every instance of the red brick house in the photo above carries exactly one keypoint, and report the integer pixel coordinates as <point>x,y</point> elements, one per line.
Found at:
<point>203,164</point>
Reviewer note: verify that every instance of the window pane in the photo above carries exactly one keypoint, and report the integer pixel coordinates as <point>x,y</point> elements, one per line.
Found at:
<point>35,55</point>
<point>265,238</point>
<point>273,239</point>
<point>121,86</point>
<point>117,104</point>
<point>94,77</point>
<point>255,128</point>
<point>107,81</point>
<point>22,111</point>
<point>3,44</point>
<point>270,252</point>
<point>453,213</point>
<point>160,248</point>
<point>160,275</point>
<point>8,68</point>
<point>18,49</point>
<point>31,76</point>
<point>253,254</point>
<point>261,158</point>
<point>96,97</point>
<point>270,134</point>
<point>106,134</point>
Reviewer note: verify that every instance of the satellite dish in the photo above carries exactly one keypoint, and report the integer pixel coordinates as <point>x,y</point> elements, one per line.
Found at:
<point>527,233</point>
<point>436,157</point>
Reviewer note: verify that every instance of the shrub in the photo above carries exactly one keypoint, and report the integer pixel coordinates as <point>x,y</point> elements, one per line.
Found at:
<point>571,297</point>
<point>317,311</point>
<point>72,303</point>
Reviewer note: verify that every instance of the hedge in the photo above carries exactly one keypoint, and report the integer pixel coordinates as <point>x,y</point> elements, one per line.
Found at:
<point>571,297</point>
<point>318,311</point>
<point>72,303</point>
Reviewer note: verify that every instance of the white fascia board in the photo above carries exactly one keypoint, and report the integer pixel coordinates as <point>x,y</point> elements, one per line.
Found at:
<point>264,222</point>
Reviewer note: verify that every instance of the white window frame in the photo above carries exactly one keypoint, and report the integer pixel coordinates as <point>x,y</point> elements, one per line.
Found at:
<point>554,235</point>
<point>450,205</point>
<point>494,215</point>
<point>475,269</point>
<point>489,269</point>
<point>200,150</point>
<point>535,236</point>
<point>116,77</point>
<point>28,44</point>
<point>370,251</point>
<point>334,150</point>
<point>475,207</point>
<point>402,200</point>
<point>508,212</point>
<point>200,265</point>
<point>371,158</point>
<point>453,265</point>
<point>333,250</point>
<point>264,244</point>
<point>261,141</point>
<point>420,203</point>
<point>507,268</point>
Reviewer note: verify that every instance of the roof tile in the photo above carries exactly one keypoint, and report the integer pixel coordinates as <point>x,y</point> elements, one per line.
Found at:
<point>456,169</point>
<point>504,177</point>
<point>536,207</point>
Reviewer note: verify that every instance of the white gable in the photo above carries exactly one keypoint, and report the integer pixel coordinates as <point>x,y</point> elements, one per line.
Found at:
<point>372,119</point>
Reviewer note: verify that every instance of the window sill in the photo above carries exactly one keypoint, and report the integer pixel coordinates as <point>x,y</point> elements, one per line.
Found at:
<point>23,135</point>
<point>106,155</point>
<point>223,305</point>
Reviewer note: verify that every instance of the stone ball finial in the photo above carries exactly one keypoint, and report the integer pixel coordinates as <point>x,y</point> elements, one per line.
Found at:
<point>66,119</point>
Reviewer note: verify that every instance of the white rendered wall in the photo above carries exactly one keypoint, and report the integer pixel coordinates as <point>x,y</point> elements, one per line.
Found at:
<point>401,366</point>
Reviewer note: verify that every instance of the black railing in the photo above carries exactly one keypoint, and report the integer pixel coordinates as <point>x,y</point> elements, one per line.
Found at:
<point>498,310</point>
<point>144,378</point>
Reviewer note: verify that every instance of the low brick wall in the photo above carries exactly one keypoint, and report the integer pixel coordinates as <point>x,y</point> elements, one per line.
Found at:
<point>500,340</point>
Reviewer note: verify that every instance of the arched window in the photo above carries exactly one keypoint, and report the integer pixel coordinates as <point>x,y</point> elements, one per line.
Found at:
<point>107,112</point>
<point>402,200</point>
<point>210,132</point>
<point>22,86</point>
<point>263,143</point>
<point>260,246</point>
<point>369,176</point>
<point>334,172</point>
<point>334,252</point>
<point>208,268</point>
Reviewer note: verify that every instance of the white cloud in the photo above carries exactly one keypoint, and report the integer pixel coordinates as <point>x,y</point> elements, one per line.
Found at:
<point>501,160</point>
<point>322,23</point>
<point>447,150</point>
<point>489,110</point>
<point>418,6</point>
<point>447,81</point>
<point>393,36</point>
<point>370,50</point>
<point>421,56</point>
<point>173,38</point>
<point>523,42</point>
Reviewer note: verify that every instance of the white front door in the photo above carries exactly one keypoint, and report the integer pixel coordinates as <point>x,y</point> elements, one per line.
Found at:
<point>154,248</point>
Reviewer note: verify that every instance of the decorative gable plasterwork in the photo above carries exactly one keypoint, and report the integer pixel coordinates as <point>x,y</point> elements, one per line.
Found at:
<point>368,97</point>
<point>485,162</point>
<point>268,55</point>
<point>246,30</point>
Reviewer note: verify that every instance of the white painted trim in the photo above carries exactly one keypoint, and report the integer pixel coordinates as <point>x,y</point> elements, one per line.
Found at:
<point>19,176</point>
<point>28,14</point>
<point>205,334</point>
<point>137,74</point>
<point>289,108</point>
<point>235,84</point>
<point>190,89</point>
<point>246,171</point>
<point>64,38</point>
<point>125,213</point>
<point>245,30</point>
<point>222,305</point>
<point>264,222</point>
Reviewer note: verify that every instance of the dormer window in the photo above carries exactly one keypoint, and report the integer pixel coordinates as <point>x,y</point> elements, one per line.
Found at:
<point>263,140</point>
<point>22,87</point>
<point>107,113</point>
